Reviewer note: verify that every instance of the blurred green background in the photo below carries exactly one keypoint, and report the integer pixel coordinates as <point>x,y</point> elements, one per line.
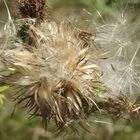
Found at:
<point>84,12</point>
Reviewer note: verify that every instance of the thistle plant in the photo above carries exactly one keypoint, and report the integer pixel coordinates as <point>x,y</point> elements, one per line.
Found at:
<point>53,74</point>
<point>57,70</point>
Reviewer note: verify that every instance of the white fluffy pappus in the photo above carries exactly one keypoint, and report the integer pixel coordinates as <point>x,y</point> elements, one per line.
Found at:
<point>120,57</point>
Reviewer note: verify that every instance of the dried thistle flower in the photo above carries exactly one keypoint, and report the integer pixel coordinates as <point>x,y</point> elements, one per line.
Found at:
<point>53,78</point>
<point>32,9</point>
<point>121,108</point>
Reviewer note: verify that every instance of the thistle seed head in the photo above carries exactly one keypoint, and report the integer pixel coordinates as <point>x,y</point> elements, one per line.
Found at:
<point>54,78</point>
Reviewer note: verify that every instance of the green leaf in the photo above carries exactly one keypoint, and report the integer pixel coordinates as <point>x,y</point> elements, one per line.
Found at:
<point>3,88</point>
<point>2,97</point>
